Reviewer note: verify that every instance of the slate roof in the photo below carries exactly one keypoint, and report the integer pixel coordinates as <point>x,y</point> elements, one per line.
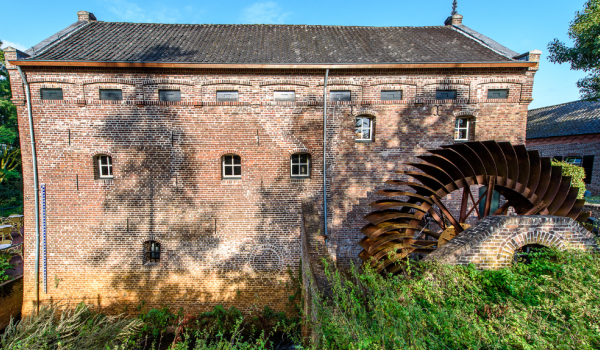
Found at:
<point>573,118</point>
<point>276,44</point>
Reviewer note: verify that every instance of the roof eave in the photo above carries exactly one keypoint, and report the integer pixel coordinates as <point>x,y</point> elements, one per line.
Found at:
<point>58,63</point>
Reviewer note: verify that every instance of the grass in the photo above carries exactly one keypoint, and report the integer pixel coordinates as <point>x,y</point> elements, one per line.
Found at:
<point>553,302</point>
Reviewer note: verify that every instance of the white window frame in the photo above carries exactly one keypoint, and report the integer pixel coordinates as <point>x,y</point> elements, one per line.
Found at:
<point>458,129</point>
<point>299,164</point>
<point>108,165</point>
<point>232,166</point>
<point>356,129</point>
<point>573,160</point>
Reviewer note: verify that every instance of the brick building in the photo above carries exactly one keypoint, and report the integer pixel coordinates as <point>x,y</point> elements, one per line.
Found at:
<point>569,132</point>
<point>175,157</point>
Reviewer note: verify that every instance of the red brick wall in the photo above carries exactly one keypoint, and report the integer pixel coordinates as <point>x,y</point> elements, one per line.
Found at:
<point>577,145</point>
<point>226,242</point>
<point>11,299</point>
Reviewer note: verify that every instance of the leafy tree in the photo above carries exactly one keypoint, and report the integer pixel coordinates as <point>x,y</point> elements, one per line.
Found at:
<point>11,180</point>
<point>585,53</point>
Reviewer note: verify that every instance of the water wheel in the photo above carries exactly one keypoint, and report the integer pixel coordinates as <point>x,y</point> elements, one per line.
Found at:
<point>417,217</point>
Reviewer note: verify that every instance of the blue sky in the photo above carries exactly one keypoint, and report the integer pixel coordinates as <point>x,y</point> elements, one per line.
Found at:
<point>521,25</point>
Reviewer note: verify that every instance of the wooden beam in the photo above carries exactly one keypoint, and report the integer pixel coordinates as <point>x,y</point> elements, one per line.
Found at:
<point>508,64</point>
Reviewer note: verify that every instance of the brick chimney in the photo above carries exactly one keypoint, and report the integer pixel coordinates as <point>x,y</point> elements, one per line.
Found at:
<point>85,16</point>
<point>454,20</point>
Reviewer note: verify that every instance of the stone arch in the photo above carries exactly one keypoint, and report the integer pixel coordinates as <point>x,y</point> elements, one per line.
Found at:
<point>507,249</point>
<point>492,242</point>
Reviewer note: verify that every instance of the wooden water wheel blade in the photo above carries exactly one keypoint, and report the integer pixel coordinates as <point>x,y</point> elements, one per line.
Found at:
<point>486,158</point>
<point>420,243</point>
<point>545,176</point>
<point>388,261</point>
<point>386,249</point>
<point>535,171</point>
<point>373,231</point>
<point>499,160</point>
<point>430,181</point>
<point>446,165</point>
<point>372,245</point>
<point>512,162</point>
<point>472,158</point>
<point>434,171</point>
<point>554,185</point>
<point>419,188</point>
<point>457,160</point>
<point>567,203</point>
<point>583,216</point>
<point>524,166</point>
<point>397,193</point>
<point>561,195</point>
<point>576,209</point>
<point>388,204</point>
<point>377,217</point>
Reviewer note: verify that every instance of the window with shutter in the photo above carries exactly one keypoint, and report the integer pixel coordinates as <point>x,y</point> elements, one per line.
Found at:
<point>445,95</point>
<point>391,95</point>
<point>111,94</point>
<point>52,94</point>
<point>228,96</point>
<point>284,96</point>
<point>497,94</point>
<point>169,95</point>
<point>588,167</point>
<point>340,95</point>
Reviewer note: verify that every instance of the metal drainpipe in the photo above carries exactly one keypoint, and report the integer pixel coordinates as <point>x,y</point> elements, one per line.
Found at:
<point>36,191</point>
<point>325,155</point>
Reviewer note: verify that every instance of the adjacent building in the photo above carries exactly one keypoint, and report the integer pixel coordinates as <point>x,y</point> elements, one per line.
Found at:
<point>569,132</point>
<point>174,158</point>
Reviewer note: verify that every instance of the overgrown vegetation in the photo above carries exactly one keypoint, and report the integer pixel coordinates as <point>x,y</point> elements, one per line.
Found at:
<point>551,303</point>
<point>576,173</point>
<point>11,181</point>
<point>4,266</point>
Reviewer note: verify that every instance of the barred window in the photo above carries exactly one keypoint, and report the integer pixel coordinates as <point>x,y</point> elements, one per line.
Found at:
<point>151,251</point>
<point>232,166</point>
<point>300,165</point>
<point>363,129</point>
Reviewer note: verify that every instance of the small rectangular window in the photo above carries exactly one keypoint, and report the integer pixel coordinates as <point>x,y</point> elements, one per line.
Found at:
<point>285,96</point>
<point>391,95</point>
<point>169,95</point>
<point>228,96</point>
<point>497,94</point>
<point>232,166</point>
<point>52,94</point>
<point>558,158</point>
<point>574,160</point>
<point>340,95</point>
<point>105,167</point>
<point>111,94</point>
<point>445,95</point>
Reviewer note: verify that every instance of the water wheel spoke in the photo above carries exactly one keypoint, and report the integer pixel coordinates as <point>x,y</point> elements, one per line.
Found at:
<point>447,213</point>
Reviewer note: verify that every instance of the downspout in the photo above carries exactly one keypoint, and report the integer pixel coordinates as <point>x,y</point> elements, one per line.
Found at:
<point>325,155</point>
<point>36,191</point>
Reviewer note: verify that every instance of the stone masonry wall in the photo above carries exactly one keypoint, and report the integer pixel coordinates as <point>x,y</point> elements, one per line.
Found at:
<point>224,241</point>
<point>492,242</point>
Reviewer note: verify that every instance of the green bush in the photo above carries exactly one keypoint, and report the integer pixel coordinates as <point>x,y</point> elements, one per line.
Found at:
<point>576,173</point>
<point>5,265</point>
<point>551,303</point>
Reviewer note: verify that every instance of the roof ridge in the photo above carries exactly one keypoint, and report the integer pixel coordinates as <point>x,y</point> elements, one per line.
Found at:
<point>264,24</point>
<point>77,26</point>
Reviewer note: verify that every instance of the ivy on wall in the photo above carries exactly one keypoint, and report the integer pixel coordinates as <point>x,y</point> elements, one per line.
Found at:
<point>576,173</point>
